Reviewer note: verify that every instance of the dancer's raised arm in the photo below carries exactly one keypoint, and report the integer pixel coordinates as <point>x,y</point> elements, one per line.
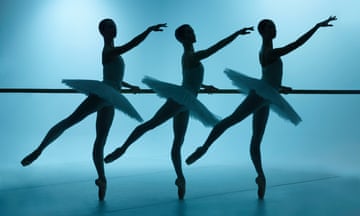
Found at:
<point>135,41</point>
<point>305,37</point>
<point>202,54</point>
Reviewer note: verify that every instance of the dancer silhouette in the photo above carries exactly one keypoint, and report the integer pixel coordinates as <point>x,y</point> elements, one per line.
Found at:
<point>102,98</point>
<point>181,100</point>
<point>262,94</point>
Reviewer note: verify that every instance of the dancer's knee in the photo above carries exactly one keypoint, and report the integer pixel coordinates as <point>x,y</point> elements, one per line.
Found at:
<point>176,150</point>
<point>68,122</point>
<point>149,125</point>
<point>178,141</point>
<point>254,148</point>
<point>256,139</point>
<point>222,126</point>
<point>99,143</point>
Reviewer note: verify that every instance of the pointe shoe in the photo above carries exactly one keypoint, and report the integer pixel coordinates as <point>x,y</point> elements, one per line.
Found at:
<point>200,151</point>
<point>30,158</point>
<point>114,155</point>
<point>180,183</point>
<point>102,188</point>
<point>261,182</point>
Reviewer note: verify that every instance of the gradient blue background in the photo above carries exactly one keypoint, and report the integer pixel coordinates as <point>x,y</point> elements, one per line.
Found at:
<point>44,41</point>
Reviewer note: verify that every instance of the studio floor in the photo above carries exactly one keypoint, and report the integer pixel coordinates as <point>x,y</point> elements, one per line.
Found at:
<point>61,190</point>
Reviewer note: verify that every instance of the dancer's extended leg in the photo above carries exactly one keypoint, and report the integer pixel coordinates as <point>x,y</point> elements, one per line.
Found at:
<point>249,105</point>
<point>88,106</point>
<point>104,120</point>
<point>179,125</point>
<point>168,110</point>
<point>259,123</point>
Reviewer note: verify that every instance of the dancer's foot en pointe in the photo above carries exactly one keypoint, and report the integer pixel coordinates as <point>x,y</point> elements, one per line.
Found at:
<point>200,151</point>
<point>180,183</point>
<point>114,155</point>
<point>261,182</point>
<point>30,158</point>
<point>102,188</point>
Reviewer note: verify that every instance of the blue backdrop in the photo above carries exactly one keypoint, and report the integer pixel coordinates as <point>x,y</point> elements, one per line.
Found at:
<point>44,41</point>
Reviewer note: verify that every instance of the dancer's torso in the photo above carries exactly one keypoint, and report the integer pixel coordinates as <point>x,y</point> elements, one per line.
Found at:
<point>113,72</point>
<point>272,73</point>
<point>193,78</point>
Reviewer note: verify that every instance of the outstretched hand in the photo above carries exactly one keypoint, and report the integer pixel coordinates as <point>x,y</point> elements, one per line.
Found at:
<point>326,23</point>
<point>285,89</point>
<point>135,89</point>
<point>246,30</point>
<point>210,88</point>
<point>158,27</point>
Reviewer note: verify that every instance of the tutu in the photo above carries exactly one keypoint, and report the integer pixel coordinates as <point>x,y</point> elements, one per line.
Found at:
<point>105,92</point>
<point>263,89</point>
<point>183,97</point>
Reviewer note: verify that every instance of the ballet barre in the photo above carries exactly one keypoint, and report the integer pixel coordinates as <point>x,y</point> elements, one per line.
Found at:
<point>202,91</point>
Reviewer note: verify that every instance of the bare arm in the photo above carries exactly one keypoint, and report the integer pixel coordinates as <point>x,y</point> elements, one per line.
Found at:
<point>209,88</point>
<point>202,54</point>
<point>136,41</point>
<point>294,45</point>
<point>132,87</point>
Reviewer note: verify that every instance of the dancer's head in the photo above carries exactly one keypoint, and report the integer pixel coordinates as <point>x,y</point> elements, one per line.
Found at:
<point>185,34</point>
<point>107,28</point>
<point>267,29</point>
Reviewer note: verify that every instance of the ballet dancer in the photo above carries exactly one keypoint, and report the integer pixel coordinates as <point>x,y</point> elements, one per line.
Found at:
<point>262,94</point>
<point>102,98</point>
<point>181,100</point>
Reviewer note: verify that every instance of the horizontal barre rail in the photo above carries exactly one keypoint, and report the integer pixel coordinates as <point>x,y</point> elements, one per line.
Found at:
<point>202,91</point>
<point>320,91</point>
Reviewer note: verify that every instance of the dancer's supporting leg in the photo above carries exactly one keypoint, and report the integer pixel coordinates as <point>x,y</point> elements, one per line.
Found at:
<point>104,120</point>
<point>259,123</point>
<point>179,126</point>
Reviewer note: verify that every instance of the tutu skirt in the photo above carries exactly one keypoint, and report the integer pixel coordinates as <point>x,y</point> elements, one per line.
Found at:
<point>105,92</point>
<point>263,89</point>
<point>183,97</point>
